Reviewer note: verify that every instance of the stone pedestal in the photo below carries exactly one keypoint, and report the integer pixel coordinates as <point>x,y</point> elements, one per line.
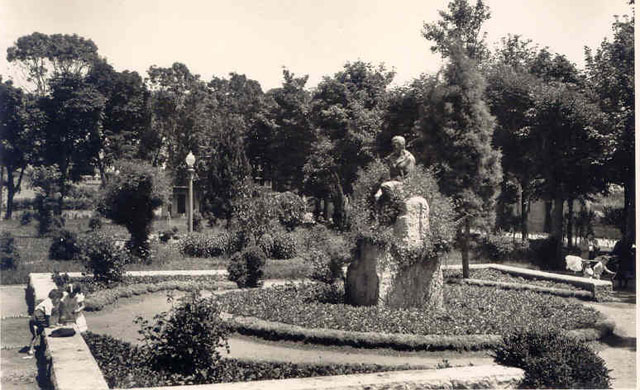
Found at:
<point>377,277</point>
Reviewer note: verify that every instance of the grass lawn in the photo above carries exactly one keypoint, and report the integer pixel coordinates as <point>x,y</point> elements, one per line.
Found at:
<point>34,252</point>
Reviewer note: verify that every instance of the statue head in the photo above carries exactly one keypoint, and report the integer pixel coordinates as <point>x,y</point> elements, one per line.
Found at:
<point>398,142</point>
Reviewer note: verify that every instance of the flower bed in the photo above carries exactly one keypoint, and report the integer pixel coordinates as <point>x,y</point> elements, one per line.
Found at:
<point>125,366</point>
<point>469,310</point>
<point>499,276</point>
<point>100,296</point>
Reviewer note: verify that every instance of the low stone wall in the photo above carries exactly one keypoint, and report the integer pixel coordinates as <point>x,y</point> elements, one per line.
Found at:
<point>71,364</point>
<point>478,377</point>
<point>600,289</point>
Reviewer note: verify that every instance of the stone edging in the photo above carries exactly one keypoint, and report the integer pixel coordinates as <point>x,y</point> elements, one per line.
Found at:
<point>271,330</point>
<point>600,289</point>
<point>562,292</point>
<point>472,377</point>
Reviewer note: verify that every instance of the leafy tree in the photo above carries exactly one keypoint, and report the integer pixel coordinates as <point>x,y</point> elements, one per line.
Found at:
<point>347,111</point>
<point>130,198</point>
<point>292,132</point>
<point>183,111</point>
<point>43,57</point>
<point>71,135</point>
<point>610,72</point>
<point>17,138</point>
<point>126,120</point>
<point>458,130</point>
<point>402,116</point>
<point>570,146</point>
<point>461,25</point>
<point>509,94</point>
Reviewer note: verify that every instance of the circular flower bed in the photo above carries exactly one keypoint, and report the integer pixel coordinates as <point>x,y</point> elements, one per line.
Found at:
<point>469,310</point>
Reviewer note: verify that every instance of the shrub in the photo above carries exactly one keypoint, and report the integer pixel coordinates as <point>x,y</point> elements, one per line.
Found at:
<point>543,252</point>
<point>187,339</point>
<point>254,215</point>
<point>48,220</point>
<point>500,247</point>
<point>371,220</point>
<point>95,223</point>
<point>266,242</point>
<point>60,279</point>
<point>284,246</point>
<point>551,360</point>
<point>324,268</point>
<point>246,267</point>
<point>291,209</point>
<point>205,245</point>
<point>197,221</point>
<point>64,245</point>
<point>9,254</point>
<point>167,235</point>
<point>614,216</point>
<point>26,218</point>
<point>102,258</point>
<point>130,198</point>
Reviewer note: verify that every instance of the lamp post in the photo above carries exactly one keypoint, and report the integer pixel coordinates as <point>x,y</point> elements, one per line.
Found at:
<point>190,160</point>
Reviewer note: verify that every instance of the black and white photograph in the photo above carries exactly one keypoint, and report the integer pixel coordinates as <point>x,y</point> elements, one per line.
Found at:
<point>317,194</point>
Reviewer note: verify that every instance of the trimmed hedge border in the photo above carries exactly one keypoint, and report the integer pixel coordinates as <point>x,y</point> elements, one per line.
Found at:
<point>270,330</point>
<point>98,300</point>
<point>562,292</point>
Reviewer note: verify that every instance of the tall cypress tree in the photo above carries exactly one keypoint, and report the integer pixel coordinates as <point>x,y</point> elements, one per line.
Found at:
<point>458,131</point>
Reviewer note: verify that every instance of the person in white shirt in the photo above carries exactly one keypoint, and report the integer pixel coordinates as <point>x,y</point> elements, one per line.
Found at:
<point>41,317</point>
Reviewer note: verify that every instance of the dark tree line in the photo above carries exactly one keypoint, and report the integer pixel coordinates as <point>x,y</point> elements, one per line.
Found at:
<point>507,126</point>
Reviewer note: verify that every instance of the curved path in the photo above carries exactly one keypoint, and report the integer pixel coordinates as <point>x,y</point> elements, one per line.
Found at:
<point>117,321</point>
<point>619,349</point>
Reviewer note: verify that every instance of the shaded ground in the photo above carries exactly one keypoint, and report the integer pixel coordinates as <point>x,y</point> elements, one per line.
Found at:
<point>16,373</point>
<point>619,349</point>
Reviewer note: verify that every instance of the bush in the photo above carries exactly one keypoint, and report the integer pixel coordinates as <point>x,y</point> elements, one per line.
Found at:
<point>205,245</point>
<point>500,247</point>
<point>187,339</point>
<point>266,242</point>
<point>26,218</point>
<point>614,216</point>
<point>284,247</point>
<point>95,223</point>
<point>324,268</point>
<point>9,254</point>
<point>255,215</point>
<point>59,279</point>
<point>102,258</point>
<point>123,366</point>
<point>551,360</point>
<point>291,209</point>
<point>371,221</point>
<point>166,235</point>
<point>246,267</point>
<point>130,198</point>
<point>64,245</point>
<point>543,252</point>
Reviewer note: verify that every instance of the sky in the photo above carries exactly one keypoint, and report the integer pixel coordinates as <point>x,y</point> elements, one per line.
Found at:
<point>309,37</point>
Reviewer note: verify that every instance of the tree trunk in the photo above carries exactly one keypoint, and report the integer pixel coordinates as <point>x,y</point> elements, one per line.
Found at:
<point>570,223</point>
<point>1,187</point>
<point>547,216</point>
<point>556,230</point>
<point>630,210</point>
<point>524,215</point>
<point>464,247</point>
<point>11,191</point>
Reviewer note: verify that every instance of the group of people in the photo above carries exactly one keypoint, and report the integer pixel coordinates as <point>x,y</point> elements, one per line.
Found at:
<point>66,305</point>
